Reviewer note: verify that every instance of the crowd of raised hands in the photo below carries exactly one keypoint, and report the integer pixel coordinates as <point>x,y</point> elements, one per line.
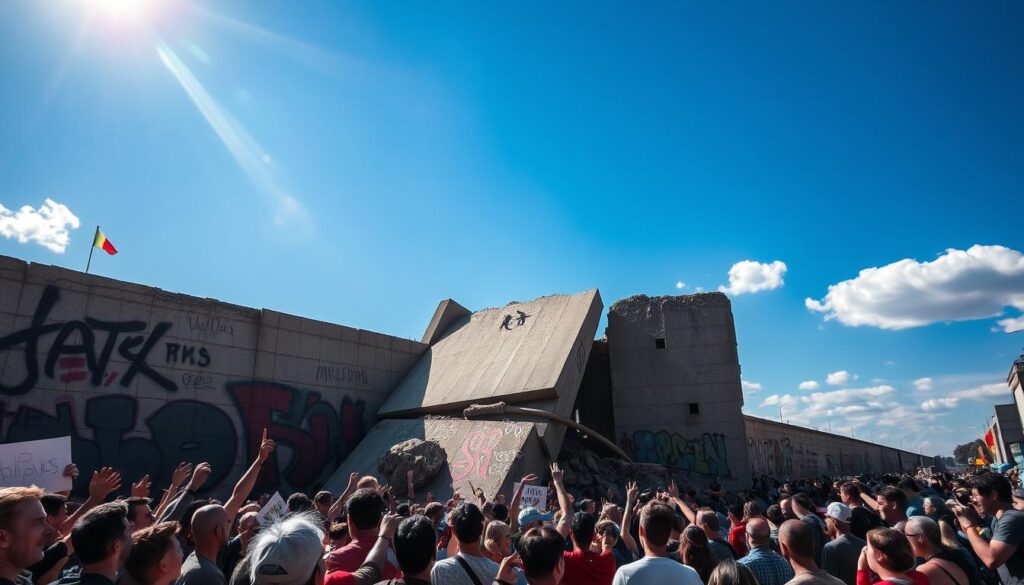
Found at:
<point>905,530</point>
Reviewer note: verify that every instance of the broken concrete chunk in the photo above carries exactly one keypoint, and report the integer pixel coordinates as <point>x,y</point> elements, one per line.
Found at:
<point>424,458</point>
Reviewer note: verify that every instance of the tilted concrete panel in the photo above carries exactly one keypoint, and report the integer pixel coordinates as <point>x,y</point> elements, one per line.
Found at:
<point>530,351</point>
<point>491,455</point>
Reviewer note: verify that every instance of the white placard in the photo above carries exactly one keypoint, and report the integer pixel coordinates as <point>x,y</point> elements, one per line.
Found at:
<point>274,509</point>
<point>533,495</point>
<point>39,463</point>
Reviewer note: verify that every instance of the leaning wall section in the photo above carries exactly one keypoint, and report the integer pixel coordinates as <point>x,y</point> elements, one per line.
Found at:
<point>142,379</point>
<point>788,451</point>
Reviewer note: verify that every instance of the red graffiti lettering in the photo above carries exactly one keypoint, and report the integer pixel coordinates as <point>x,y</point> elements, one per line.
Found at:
<point>476,454</point>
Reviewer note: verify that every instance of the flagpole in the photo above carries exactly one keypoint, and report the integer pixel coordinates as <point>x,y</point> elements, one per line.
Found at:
<point>92,247</point>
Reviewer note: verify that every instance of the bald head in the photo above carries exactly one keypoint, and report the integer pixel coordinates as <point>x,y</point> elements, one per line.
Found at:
<point>796,539</point>
<point>759,531</point>
<point>210,523</point>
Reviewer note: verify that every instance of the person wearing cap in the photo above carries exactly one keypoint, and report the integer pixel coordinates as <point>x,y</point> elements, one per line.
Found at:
<point>797,540</point>
<point>290,552</point>
<point>839,556</point>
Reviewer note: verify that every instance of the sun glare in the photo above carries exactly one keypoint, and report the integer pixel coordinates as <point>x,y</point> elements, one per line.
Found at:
<point>123,12</point>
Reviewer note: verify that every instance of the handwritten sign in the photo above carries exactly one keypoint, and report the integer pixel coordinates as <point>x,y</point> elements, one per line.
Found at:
<point>274,509</point>
<point>39,463</point>
<point>533,495</point>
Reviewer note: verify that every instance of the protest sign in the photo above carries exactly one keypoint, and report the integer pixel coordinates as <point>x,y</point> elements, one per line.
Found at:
<point>274,509</point>
<point>533,495</point>
<point>39,463</point>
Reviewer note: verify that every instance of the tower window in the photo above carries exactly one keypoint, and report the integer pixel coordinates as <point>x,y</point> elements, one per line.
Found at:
<point>694,408</point>
<point>659,343</point>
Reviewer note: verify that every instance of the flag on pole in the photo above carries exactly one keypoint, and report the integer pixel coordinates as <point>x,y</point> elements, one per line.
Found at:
<point>103,243</point>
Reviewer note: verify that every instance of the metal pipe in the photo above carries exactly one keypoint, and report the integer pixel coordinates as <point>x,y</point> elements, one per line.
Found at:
<point>499,408</point>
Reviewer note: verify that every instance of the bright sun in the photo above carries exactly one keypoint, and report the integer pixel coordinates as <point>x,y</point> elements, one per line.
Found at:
<point>123,12</point>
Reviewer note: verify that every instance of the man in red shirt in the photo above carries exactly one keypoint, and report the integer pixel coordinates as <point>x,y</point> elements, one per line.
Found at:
<point>738,530</point>
<point>584,566</point>
<point>365,509</point>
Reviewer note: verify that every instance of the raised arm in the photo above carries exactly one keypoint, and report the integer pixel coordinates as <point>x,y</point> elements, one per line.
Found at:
<point>513,508</point>
<point>373,566</point>
<point>565,522</point>
<point>177,478</point>
<point>244,486</point>
<point>103,482</point>
<point>673,493</point>
<point>632,492</point>
<point>871,503</point>
<point>176,509</point>
<point>339,504</point>
<point>994,553</point>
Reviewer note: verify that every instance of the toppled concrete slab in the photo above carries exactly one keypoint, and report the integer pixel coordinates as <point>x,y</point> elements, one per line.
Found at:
<point>530,351</point>
<point>492,455</point>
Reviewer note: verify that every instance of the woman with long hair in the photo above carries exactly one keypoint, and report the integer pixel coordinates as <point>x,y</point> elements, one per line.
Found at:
<point>732,573</point>
<point>695,552</point>
<point>888,560</point>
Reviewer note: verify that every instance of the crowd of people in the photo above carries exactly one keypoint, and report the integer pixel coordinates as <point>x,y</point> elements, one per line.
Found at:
<point>922,529</point>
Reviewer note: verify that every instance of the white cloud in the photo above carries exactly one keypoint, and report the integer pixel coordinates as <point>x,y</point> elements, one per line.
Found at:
<point>748,276</point>
<point>837,378</point>
<point>750,387</point>
<point>781,400</point>
<point>939,404</point>
<point>1012,325</point>
<point>680,285</point>
<point>809,385</point>
<point>849,395</point>
<point>959,285</point>
<point>983,392</point>
<point>47,226</point>
<point>923,384</point>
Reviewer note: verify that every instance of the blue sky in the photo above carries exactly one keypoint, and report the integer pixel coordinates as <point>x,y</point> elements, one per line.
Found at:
<point>357,162</point>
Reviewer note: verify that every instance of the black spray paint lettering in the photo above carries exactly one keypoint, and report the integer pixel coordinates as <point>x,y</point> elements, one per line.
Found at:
<point>31,336</point>
<point>189,355</point>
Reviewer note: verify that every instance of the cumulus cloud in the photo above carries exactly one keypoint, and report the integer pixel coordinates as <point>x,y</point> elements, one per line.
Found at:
<point>983,392</point>
<point>923,384</point>
<point>781,400</point>
<point>750,387</point>
<point>849,395</point>
<point>680,285</point>
<point>809,385</point>
<point>959,285</point>
<point>47,226</point>
<point>749,276</point>
<point>1012,325</point>
<point>837,378</point>
<point>939,404</point>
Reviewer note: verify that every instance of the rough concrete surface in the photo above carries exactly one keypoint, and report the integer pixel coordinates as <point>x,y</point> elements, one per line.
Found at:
<point>491,455</point>
<point>520,352</point>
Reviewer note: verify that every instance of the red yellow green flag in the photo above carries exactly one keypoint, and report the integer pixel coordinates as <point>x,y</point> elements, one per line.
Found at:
<point>102,242</point>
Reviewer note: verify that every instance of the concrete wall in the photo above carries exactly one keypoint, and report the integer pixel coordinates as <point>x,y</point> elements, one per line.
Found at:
<point>143,379</point>
<point>1007,431</point>
<point>788,451</point>
<point>654,387</point>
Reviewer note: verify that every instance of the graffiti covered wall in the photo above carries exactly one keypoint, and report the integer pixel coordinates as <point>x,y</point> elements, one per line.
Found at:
<point>142,379</point>
<point>675,380</point>
<point>787,451</point>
